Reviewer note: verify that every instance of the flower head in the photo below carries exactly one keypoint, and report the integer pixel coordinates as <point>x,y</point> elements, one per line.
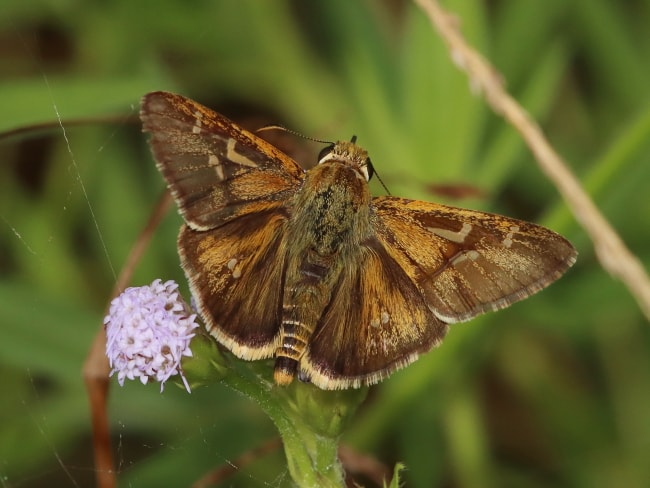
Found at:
<point>148,331</point>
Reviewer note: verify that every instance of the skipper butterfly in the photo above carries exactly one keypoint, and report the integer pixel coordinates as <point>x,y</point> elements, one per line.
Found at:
<point>340,287</point>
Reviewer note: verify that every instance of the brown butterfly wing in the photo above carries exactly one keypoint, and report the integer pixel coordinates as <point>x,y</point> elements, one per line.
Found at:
<point>427,265</point>
<point>466,262</point>
<point>236,274</point>
<point>216,170</point>
<point>377,322</point>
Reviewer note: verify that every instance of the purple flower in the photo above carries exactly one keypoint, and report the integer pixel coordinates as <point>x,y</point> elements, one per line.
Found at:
<point>148,330</point>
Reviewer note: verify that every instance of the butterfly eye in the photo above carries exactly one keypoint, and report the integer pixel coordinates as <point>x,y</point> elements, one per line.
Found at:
<point>369,169</point>
<point>326,150</point>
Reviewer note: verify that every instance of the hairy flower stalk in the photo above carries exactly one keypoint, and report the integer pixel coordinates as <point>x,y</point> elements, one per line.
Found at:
<point>149,329</point>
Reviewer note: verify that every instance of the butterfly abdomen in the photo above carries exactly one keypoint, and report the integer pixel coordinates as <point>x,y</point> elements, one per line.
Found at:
<point>305,296</point>
<point>295,336</point>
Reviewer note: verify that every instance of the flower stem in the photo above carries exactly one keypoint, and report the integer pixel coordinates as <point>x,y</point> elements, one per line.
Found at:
<point>310,420</point>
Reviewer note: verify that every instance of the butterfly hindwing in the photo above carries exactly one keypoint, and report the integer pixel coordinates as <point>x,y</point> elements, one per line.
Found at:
<point>216,170</point>
<point>377,322</point>
<point>236,274</point>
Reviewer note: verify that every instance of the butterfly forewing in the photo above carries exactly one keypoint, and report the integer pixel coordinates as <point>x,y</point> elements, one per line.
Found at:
<point>472,262</point>
<point>216,170</point>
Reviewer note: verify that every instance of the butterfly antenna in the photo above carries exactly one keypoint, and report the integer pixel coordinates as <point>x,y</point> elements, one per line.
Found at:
<point>293,132</point>
<point>382,183</point>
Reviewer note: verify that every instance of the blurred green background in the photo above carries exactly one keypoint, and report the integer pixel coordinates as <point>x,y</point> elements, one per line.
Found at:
<point>554,391</point>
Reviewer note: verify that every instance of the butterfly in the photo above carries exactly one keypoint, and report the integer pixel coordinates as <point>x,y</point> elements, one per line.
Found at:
<point>306,267</point>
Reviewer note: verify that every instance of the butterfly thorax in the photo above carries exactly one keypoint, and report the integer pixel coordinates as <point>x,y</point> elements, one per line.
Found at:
<point>330,218</point>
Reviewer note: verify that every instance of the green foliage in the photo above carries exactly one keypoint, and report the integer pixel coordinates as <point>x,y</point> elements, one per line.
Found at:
<point>552,392</point>
<point>310,421</point>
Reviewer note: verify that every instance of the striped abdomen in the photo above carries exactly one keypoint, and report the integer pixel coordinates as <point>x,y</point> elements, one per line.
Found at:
<point>303,303</point>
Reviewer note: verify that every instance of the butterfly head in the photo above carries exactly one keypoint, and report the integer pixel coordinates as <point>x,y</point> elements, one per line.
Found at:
<point>350,154</point>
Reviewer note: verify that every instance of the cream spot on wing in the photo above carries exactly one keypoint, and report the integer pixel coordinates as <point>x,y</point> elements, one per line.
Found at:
<point>237,158</point>
<point>214,162</point>
<point>232,266</point>
<point>507,242</point>
<point>464,256</point>
<point>383,319</point>
<point>458,237</point>
<point>197,123</point>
